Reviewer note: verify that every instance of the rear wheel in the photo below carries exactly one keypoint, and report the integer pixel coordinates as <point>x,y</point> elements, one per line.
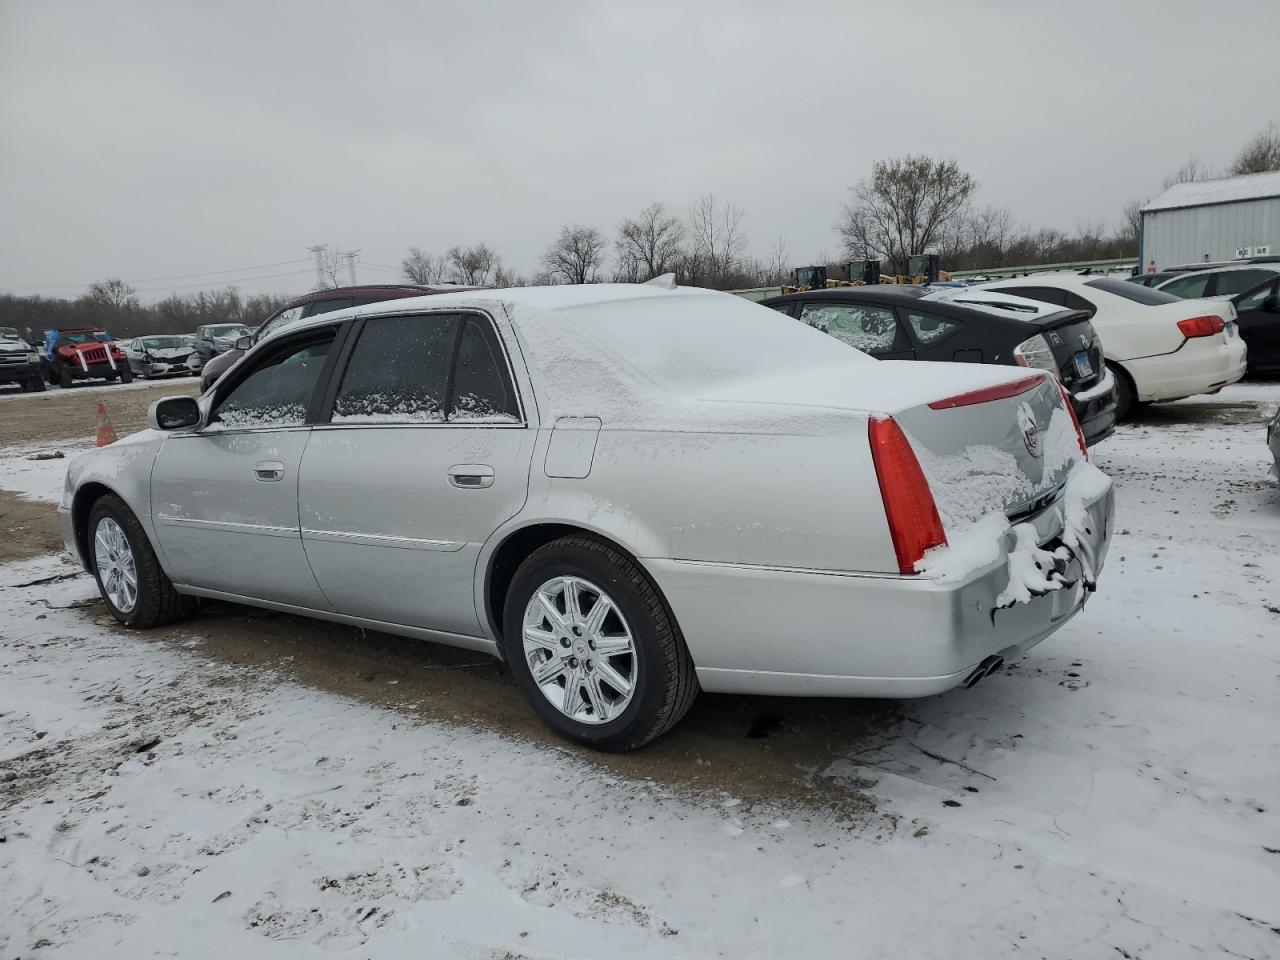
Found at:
<point>594,648</point>
<point>1126,397</point>
<point>136,590</point>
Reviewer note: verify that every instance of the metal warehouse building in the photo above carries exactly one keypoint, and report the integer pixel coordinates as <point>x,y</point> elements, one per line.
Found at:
<point>1212,220</point>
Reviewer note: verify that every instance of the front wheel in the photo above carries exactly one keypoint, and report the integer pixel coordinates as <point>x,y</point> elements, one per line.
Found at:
<point>593,646</point>
<point>37,384</point>
<point>64,378</point>
<point>126,375</point>
<point>136,590</point>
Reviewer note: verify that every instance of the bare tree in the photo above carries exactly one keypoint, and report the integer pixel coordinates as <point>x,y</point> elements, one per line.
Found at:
<point>1261,154</point>
<point>649,245</point>
<point>777,269</point>
<point>113,294</point>
<point>472,266</point>
<point>502,277</point>
<point>1130,231</point>
<point>424,268</point>
<point>329,262</point>
<point>1193,169</point>
<point>907,206</point>
<point>719,241</point>
<point>577,254</point>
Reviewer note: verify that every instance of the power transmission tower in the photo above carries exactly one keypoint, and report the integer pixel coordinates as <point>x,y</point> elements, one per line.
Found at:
<point>318,252</point>
<point>350,256</point>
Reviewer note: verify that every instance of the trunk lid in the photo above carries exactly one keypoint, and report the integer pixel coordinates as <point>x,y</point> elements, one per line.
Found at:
<point>1076,347</point>
<point>1006,449</point>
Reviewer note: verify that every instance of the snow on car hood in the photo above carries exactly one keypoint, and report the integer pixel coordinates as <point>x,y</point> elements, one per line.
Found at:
<point>170,353</point>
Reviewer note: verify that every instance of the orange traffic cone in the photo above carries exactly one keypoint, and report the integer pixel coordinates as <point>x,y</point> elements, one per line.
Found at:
<point>106,433</point>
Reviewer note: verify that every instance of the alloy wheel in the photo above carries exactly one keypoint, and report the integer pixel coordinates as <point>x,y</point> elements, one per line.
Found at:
<point>116,569</point>
<point>580,650</point>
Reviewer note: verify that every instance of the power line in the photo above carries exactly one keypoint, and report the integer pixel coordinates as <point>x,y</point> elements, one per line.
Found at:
<point>186,286</point>
<point>178,276</point>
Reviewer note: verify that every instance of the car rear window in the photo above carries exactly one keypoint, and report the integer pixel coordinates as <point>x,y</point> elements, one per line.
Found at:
<point>1132,291</point>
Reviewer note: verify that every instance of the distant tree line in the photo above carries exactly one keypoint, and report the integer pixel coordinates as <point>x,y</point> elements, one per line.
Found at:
<point>114,304</point>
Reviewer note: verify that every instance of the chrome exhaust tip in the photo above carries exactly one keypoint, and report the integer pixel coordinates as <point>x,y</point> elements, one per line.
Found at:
<point>988,666</point>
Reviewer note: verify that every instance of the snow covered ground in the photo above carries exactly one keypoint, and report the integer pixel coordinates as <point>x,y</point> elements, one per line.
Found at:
<point>1115,794</point>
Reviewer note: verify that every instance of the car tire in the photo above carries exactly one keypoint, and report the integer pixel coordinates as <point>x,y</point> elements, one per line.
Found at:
<point>154,601</point>
<point>37,384</point>
<point>663,683</point>
<point>1126,397</point>
<point>126,375</point>
<point>64,377</point>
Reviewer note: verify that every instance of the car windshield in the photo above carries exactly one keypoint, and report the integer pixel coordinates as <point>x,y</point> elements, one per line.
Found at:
<point>84,336</point>
<point>1132,291</point>
<point>164,343</point>
<point>228,330</point>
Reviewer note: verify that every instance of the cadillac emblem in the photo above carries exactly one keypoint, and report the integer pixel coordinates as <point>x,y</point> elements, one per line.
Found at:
<point>1030,430</point>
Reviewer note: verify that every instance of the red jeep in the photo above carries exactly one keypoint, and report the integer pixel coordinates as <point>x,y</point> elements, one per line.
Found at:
<point>83,354</point>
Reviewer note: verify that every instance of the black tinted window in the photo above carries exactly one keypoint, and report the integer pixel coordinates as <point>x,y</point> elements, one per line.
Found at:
<point>482,391</point>
<point>277,391</point>
<point>1132,291</point>
<point>398,371</point>
<point>1231,282</point>
<point>1077,302</point>
<point>328,306</point>
<point>1043,294</point>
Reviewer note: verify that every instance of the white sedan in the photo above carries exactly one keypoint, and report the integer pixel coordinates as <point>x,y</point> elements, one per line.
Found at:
<point>1160,347</point>
<point>628,493</point>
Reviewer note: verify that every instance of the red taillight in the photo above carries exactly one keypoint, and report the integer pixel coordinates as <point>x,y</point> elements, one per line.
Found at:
<point>1001,392</point>
<point>913,518</point>
<point>1075,421</point>
<point>1200,326</point>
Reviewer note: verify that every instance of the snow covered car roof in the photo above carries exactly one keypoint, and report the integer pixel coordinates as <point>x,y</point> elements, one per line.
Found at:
<point>686,357</point>
<point>995,303</point>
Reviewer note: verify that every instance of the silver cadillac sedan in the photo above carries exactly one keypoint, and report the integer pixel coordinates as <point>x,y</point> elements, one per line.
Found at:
<point>630,493</point>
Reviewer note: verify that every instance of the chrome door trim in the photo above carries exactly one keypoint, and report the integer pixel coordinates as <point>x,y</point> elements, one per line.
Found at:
<point>382,540</point>
<point>227,526</point>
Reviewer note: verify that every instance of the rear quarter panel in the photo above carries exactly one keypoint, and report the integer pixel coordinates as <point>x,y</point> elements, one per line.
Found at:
<point>810,501</point>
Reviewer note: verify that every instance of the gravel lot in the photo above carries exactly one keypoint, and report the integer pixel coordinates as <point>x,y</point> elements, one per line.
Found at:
<point>1114,793</point>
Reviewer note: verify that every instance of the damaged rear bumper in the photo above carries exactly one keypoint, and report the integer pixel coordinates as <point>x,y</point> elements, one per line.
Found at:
<point>788,632</point>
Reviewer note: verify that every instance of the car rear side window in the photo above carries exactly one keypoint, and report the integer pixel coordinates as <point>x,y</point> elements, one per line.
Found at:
<point>1189,287</point>
<point>278,389</point>
<point>930,329</point>
<point>482,389</point>
<point>1132,291</point>
<point>871,329</point>
<point>398,371</point>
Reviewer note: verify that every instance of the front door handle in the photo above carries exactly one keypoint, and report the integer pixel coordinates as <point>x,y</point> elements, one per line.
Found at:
<point>471,476</point>
<point>268,471</point>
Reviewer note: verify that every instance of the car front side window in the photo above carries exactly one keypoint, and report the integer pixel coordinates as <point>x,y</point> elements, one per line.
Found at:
<point>930,329</point>
<point>873,330</point>
<point>277,391</point>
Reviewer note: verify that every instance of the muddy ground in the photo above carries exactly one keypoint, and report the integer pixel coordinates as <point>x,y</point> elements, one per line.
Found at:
<point>57,414</point>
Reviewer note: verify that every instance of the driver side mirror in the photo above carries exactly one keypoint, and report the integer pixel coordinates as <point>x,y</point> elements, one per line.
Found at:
<point>174,413</point>
<point>244,343</point>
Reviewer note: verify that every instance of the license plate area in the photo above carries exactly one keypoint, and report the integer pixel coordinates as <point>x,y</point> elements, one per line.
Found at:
<point>1083,367</point>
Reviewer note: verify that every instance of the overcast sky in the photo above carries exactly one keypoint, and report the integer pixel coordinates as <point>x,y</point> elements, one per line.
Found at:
<point>155,139</point>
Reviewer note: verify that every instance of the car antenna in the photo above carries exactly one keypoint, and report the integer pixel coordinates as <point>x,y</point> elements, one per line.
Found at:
<point>667,281</point>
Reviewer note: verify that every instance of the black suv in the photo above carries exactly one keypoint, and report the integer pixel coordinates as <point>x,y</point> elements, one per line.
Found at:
<point>905,322</point>
<point>19,361</point>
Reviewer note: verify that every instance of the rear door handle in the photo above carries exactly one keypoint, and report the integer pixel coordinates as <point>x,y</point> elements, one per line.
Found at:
<point>268,471</point>
<point>471,476</point>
